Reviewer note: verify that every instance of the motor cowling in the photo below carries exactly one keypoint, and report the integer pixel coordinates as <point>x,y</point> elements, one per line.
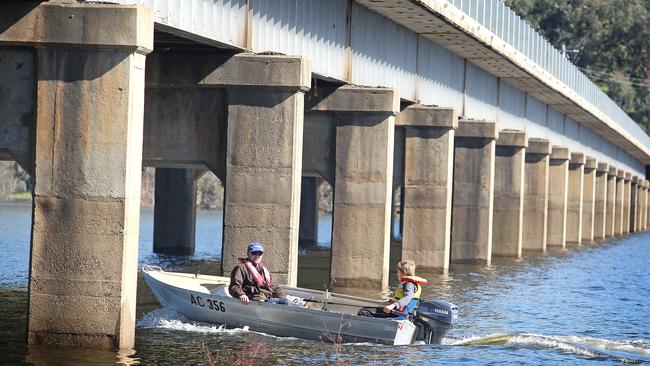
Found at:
<point>434,319</point>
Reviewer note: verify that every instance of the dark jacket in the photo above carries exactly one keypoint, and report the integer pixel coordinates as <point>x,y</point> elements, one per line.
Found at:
<point>242,282</point>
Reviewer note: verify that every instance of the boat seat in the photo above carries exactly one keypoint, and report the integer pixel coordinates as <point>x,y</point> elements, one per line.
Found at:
<point>222,291</point>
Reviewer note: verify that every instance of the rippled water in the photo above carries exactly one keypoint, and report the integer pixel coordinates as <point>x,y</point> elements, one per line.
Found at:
<point>583,305</point>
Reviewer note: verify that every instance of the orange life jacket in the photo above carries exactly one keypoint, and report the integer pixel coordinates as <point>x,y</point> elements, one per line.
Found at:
<point>399,293</point>
<point>256,274</point>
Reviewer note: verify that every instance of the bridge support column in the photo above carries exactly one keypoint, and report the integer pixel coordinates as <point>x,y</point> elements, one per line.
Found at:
<point>574,199</point>
<point>174,222</point>
<point>634,199</point>
<point>509,168</point>
<point>428,176</point>
<point>643,205</point>
<point>363,158</point>
<point>647,206</point>
<point>610,219</point>
<point>87,93</point>
<point>589,200</point>
<point>600,203</point>
<point>627,202</point>
<point>473,194</point>
<point>620,203</point>
<point>536,194</point>
<point>308,235</point>
<point>558,187</point>
<point>264,162</point>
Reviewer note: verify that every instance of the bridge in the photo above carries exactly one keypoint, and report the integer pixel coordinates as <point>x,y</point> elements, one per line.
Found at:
<point>497,142</point>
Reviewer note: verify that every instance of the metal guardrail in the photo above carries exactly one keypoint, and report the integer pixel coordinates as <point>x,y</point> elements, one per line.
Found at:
<point>495,16</point>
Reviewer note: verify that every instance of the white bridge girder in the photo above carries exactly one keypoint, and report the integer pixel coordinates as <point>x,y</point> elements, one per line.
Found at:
<point>430,51</point>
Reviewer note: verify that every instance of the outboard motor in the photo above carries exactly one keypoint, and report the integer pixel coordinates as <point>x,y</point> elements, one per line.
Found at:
<point>434,319</point>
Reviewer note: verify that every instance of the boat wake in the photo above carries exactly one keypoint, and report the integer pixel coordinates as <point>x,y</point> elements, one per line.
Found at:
<point>625,351</point>
<point>165,318</point>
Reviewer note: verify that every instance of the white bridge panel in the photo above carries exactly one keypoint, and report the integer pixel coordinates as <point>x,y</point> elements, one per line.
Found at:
<point>383,53</point>
<point>536,117</point>
<point>556,123</point>
<point>442,75</point>
<point>480,94</point>
<point>512,107</point>
<point>223,21</point>
<point>313,29</point>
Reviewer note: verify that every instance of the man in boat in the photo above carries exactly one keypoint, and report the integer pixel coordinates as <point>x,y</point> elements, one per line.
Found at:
<point>407,294</point>
<point>251,280</point>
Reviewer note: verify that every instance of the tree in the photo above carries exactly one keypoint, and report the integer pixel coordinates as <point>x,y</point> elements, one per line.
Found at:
<point>613,39</point>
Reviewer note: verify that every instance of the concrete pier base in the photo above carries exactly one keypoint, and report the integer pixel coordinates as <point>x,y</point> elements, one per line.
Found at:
<point>600,202</point>
<point>363,158</point>
<point>473,195</point>
<point>627,202</point>
<point>509,170</point>
<point>575,199</point>
<point>309,196</point>
<point>558,187</point>
<point>536,189</point>
<point>174,222</point>
<point>589,200</point>
<point>428,173</point>
<point>620,203</point>
<point>86,102</point>
<point>611,207</point>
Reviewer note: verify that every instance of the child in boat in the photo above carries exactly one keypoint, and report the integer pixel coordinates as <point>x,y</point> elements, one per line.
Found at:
<point>407,294</point>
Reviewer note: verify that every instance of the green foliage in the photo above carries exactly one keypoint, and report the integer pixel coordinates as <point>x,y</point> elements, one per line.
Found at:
<point>613,39</point>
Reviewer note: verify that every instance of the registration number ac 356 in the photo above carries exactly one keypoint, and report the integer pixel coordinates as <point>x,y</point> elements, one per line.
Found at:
<point>210,303</point>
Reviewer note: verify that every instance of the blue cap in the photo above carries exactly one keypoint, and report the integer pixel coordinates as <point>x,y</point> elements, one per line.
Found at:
<point>255,247</point>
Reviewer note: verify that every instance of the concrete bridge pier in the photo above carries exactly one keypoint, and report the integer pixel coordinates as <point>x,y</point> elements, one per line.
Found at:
<point>611,206</point>
<point>260,98</point>
<point>634,198</point>
<point>643,204</point>
<point>575,199</point>
<point>473,192</point>
<point>364,120</point>
<point>627,203</point>
<point>646,218</point>
<point>620,203</point>
<point>558,188</point>
<point>536,194</point>
<point>309,196</point>
<point>264,162</point>
<point>589,200</point>
<point>428,176</point>
<point>600,201</point>
<point>509,171</point>
<point>174,222</point>
<point>85,130</point>
<point>639,205</point>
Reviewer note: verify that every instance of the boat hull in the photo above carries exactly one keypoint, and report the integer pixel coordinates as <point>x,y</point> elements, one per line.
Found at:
<point>199,303</point>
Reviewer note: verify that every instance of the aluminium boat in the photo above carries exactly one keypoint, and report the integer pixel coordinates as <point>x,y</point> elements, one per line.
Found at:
<point>312,314</point>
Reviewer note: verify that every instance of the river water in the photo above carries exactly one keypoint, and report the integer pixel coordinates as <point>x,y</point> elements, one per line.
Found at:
<point>584,305</point>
